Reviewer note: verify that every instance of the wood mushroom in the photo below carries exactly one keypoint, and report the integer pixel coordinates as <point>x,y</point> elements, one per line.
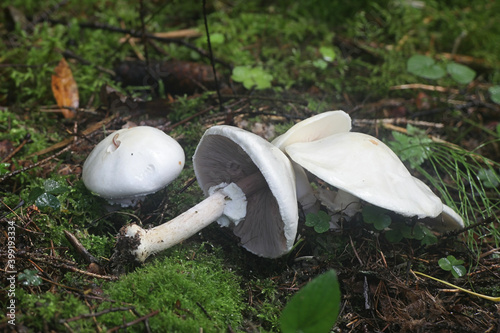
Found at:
<point>366,168</point>
<point>250,187</point>
<point>131,163</point>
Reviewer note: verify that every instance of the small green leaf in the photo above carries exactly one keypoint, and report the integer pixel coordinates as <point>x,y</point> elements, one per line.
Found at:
<point>47,200</point>
<point>217,38</point>
<point>328,53</point>
<point>495,94</point>
<point>460,73</point>
<point>35,193</point>
<point>458,271</point>
<point>450,263</point>
<point>489,178</point>
<point>314,308</point>
<point>445,264</point>
<point>424,67</point>
<point>30,278</point>
<point>53,187</point>
<point>376,216</point>
<point>252,77</point>
<point>394,235</point>
<point>319,221</point>
<point>320,64</point>
<point>429,237</point>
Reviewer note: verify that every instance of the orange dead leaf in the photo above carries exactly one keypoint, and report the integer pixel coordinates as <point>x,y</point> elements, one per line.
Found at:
<point>65,89</point>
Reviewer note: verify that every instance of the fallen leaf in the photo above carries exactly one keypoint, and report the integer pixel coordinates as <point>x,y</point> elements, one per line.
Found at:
<point>65,89</point>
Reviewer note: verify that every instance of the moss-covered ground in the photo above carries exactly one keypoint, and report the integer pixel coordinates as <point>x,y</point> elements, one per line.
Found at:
<point>277,63</point>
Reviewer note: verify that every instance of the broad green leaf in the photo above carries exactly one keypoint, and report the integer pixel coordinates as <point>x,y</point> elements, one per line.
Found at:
<point>460,73</point>
<point>495,94</point>
<point>424,67</point>
<point>314,308</point>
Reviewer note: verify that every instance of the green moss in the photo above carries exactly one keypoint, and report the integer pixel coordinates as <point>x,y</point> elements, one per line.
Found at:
<point>189,294</point>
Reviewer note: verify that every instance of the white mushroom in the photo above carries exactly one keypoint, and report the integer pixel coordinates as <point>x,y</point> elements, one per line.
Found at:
<point>365,167</point>
<point>251,188</point>
<point>311,129</point>
<point>132,163</point>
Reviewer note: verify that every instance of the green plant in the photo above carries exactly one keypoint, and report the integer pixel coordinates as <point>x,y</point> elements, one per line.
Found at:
<point>252,77</point>
<point>495,94</point>
<point>314,308</point>
<point>376,216</point>
<point>453,265</point>
<point>46,196</point>
<point>413,147</point>
<point>319,221</point>
<point>427,67</point>
<point>29,277</point>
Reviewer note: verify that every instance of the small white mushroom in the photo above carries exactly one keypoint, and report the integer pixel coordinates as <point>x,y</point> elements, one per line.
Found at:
<point>132,163</point>
<point>251,188</point>
<point>365,167</point>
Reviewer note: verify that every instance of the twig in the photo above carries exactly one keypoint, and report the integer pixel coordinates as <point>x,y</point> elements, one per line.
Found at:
<point>94,314</point>
<point>424,87</point>
<point>29,167</point>
<point>86,255</point>
<point>489,298</point>
<point>211,54</point>
<point>27,139</point>
<point>138,320</point>
<point>66,142</point>
<point>397,121</point>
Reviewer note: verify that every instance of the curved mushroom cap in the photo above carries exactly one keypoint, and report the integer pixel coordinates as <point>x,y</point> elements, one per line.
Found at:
<point>228,154</point>
<point>365,167</point>
<point>131,163</point>
<point>312,129</point>
<point>315,128</point>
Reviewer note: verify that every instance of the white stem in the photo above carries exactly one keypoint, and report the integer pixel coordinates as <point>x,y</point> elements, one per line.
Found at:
<point>180,228</point>
<point>229,201</point>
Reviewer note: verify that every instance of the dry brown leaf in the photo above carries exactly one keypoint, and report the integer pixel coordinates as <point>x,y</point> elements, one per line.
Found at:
<point>65,89</point>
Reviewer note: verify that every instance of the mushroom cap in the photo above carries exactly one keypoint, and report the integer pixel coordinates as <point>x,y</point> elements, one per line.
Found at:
<point>311,129</point>
<point>227,154</point>
<point>364,166</point>
<point>131,163</point>
<point>315,128</point>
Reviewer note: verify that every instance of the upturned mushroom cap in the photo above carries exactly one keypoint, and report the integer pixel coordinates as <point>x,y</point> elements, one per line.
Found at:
<point>315,128</point>
<point>131,163</point>
<point>228,154</point>
<point>365,167</point>
<point>311,129</point>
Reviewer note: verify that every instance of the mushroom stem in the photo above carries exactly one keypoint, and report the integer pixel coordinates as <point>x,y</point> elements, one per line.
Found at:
<point>190,222</point>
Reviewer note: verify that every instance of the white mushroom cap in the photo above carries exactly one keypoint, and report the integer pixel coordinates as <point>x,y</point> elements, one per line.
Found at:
<point>131,163</point>
<point>365,167</point>
<point>312,129</point>
<point>228,154</point>
<point>315,128</point>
